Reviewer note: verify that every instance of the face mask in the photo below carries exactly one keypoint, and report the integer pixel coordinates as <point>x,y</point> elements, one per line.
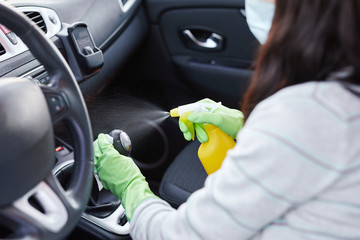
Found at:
<point>259,16</point>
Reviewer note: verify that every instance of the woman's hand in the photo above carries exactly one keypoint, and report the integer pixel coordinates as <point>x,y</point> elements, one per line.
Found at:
<point>120,175</point>
<point>228,120</point>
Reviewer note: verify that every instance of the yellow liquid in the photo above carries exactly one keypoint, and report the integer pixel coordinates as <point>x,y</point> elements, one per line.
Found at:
<point>213,152</point>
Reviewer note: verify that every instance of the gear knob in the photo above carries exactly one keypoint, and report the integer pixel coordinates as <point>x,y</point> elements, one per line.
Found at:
<point>122,142</point>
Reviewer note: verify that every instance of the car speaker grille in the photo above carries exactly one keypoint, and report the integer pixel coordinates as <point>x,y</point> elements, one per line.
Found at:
<point>2,50</point>
<point>37,19</point>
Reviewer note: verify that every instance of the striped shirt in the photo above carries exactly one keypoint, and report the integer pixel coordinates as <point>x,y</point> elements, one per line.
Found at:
<point>293,174</point>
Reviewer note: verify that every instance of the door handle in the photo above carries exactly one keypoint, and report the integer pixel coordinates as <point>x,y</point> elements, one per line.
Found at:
<point>212,41</point>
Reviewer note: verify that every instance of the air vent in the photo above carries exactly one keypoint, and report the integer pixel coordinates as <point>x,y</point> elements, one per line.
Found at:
<point>2,50</point>
<point>37,19</point>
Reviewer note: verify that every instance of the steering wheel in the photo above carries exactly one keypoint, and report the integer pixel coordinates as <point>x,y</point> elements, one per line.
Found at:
<point>33,205</point>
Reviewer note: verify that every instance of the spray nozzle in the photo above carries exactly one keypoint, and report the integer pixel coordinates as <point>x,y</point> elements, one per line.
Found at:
<point>194,107</point>
<point>174,112</point>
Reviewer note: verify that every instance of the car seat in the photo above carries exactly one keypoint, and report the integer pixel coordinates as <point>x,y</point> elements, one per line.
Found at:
<point>184,176</point>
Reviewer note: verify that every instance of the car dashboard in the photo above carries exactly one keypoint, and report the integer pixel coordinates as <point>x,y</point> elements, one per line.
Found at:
<point>104,22</point>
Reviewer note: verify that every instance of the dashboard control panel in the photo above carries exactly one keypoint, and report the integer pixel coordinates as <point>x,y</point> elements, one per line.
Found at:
<point>46,19</point>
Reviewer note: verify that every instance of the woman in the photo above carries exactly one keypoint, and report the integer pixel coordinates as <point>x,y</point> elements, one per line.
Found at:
<point>295,170</point>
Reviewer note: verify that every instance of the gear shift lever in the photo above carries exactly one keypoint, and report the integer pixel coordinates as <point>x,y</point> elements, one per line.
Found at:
<point>122,142</point>
<point>103,203</point>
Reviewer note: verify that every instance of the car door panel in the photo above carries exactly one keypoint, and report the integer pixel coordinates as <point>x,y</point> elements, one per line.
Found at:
<point>229,23</point>
<point>223,73</point>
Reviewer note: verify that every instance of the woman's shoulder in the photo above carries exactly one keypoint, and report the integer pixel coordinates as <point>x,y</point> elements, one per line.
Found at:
<point>298,90</point>
<point>313,100</point>
<point>316,118</point>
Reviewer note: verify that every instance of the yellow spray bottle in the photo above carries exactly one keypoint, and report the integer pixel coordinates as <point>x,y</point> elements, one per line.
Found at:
<point>213,152</point>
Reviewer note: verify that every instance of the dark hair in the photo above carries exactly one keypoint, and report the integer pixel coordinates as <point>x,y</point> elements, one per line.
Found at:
<point>309,40</point>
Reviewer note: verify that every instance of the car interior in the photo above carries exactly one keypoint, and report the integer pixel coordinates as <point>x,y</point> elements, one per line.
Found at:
<point>72,69</point>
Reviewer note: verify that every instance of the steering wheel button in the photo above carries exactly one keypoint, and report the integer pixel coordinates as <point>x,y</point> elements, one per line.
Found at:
<point>56,105</point>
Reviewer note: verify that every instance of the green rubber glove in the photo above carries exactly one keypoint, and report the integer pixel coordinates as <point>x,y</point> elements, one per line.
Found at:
<point>228,120</point>
<point>189,135</point>
<point>120,175</point>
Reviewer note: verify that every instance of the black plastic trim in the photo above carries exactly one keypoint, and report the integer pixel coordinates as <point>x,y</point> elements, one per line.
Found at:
<point>155,8</point>
<point>120,29</point>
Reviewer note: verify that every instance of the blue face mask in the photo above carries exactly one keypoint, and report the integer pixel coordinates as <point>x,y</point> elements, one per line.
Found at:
<point>259,16</point>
